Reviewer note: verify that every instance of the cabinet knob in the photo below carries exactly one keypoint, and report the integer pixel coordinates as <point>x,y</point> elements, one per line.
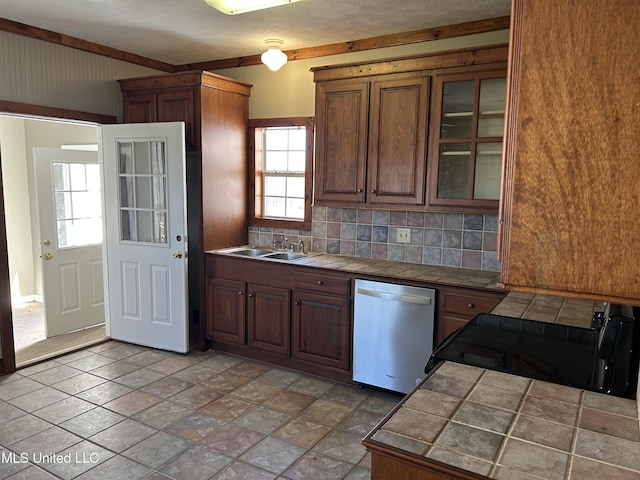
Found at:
<point>240,293</point>
<point>373,191</point>
<point>359,190</point>
<point>251,294</point>
<point>471,305</point>
<point>319,282</point>
<point>296,303</point>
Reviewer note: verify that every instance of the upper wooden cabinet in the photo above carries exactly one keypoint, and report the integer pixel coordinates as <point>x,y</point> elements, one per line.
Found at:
<point>569,213</point>
<point>466,139</point>
<point>372,124</point>
<point>370,140</point>
<point>342,110</point>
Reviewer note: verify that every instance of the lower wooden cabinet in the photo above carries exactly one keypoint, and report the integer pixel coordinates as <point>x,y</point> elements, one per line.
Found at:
<point>321,329</point>
<point>226,310</point>
<point>268,318</point>
<point>459,305</point>
<point>302,320</point>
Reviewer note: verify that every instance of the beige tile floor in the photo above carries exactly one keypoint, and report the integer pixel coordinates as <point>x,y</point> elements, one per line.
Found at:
<point>122,411</point>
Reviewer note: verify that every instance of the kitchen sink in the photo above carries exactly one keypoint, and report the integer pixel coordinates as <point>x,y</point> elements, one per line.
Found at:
<point>248,252</point>
<point>266,253</point>
<point>284,256</point>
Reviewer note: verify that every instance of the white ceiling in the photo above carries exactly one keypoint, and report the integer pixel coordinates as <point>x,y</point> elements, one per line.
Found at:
<point>189,31</point>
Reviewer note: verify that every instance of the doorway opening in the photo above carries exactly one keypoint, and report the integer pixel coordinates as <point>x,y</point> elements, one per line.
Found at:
<point>19,134</point>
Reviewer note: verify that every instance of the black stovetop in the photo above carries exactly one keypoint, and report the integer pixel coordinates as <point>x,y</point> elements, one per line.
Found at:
<point>555,353</point>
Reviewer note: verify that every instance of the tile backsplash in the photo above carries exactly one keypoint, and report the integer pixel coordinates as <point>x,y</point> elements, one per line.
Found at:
<point>449,239</point>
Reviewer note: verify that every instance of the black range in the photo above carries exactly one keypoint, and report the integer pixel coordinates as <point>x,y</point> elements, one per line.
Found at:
<point>602,359</point>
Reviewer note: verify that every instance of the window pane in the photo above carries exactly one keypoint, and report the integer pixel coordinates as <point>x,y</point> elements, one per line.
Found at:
<point>144,228</point>
<point>298,138</point>
<point>492,103</point>
<point>126,192</point>
<point>159,227</point>
<point>277,138</point>
<point>83,204</point>
<point>457,109</point>
<point>275,186</point>
<point>126,157</point>
<point>61,176</point>
<point>62,233</point>
<point>488,163</point>
<point>93,176</point>
<point>143,192</point>
<point>295,187</point>
<point>159,192</point>
<point>128,224</point>
<point>78,179</point>
<point>295,207</point>
<point>275,161</point>
<point>157,158</point>
<point>86,231</point>
<point>453,170</point>
<point>63,205</point>
<point>141,157</point>
<point>274,207</point>
<point>297,161</point>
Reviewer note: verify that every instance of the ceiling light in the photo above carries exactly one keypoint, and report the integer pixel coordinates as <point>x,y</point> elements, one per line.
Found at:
<point>234,7</point>
<point>274,57</point>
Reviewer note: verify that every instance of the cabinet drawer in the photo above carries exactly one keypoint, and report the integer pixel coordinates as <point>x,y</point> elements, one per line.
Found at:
<point>323,283</point>
<point>466,305</point>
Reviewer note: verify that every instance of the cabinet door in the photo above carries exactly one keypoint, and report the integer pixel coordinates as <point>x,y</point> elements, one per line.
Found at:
<point>341,141</point>
<point>178,106</point>
<point>397,141</point>
<point>466,141</point>
<point>321,332</point>
<point>140,108</point>
<point>268,318</point>
<point>569,219</point>
<point>226,311</point>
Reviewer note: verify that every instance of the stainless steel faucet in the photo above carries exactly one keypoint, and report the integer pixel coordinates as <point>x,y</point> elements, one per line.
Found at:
<point>301,245</point>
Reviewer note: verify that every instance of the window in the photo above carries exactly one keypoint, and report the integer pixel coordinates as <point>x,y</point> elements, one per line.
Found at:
<point>78,204</point>
<point>281,153</point>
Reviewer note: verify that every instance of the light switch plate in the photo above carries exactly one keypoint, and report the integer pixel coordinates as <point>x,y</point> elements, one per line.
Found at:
<point>403,235</point>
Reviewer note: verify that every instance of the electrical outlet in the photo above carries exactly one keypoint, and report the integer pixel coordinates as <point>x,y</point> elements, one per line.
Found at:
<point>403,235</point>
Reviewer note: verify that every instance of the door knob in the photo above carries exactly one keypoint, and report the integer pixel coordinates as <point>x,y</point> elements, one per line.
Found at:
<point>46,243</point>
<point>47,256</point>
<point>177,254</point>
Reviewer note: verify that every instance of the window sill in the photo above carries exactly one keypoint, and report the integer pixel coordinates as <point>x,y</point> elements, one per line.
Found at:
<point>276,223</point>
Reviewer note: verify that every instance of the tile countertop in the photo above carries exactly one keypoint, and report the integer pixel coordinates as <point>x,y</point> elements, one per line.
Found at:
<point>508,427</point>
<point>453,276</point>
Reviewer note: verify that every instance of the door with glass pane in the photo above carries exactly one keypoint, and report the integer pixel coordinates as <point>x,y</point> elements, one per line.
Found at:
<point>70,212</point>
<point>145,248</point>
<point>467,140</point>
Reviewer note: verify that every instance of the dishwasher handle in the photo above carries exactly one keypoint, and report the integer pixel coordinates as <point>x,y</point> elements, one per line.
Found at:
<point>399,297</point>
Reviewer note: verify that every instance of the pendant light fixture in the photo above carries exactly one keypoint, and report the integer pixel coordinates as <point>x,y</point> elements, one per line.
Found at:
<point>274,57</point>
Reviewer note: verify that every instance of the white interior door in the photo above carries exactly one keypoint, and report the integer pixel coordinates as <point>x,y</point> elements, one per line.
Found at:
<point>70,211</point>
<point>145,234</point>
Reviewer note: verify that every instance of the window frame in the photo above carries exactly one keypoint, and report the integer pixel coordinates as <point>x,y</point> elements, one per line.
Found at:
<point>256,176</point>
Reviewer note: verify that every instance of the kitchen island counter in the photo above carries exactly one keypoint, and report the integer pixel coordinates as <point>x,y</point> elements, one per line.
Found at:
<point>471,423</point>
<point>465,422</point>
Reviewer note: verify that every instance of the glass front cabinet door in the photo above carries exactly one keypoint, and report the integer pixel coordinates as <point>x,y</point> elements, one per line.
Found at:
<point>466,142</point>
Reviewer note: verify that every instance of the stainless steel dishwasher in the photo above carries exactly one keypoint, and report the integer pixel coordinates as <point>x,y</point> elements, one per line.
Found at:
<point>392,334</point>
